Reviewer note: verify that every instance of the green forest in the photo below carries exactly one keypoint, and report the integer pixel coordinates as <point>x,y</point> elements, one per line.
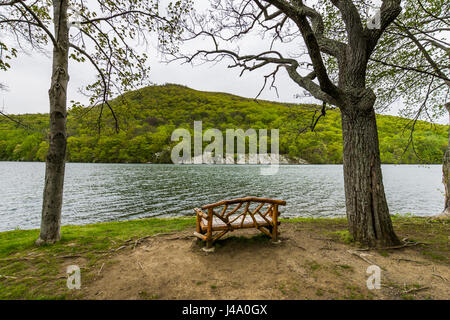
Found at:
<point>147,117</point>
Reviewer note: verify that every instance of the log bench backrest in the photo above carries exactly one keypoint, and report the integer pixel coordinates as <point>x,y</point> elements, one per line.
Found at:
<point>244,203</point>
<point>265,221</point>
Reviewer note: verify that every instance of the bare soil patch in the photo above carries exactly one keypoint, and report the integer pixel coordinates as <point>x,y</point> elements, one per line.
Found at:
<point>311,262</point>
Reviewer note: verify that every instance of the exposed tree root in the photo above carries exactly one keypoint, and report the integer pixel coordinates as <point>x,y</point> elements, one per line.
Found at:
<point>405,245</point>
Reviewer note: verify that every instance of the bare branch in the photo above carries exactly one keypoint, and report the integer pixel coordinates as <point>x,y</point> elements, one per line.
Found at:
<point>426,55</point>
<point>39,23</point>
<point>105,81</point>
<point>390,9</point>
<point>298,15</point>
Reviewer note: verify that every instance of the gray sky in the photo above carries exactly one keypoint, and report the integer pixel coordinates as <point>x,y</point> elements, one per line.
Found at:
<point>29,79</point>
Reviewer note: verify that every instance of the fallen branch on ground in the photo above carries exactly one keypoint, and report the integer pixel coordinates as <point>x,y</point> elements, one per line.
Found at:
<point>361,255</point>
<point>101,268</point>
<point>415,290</point>
<point>409,260</point>
<point>70,256</point>
<point>439,276</point>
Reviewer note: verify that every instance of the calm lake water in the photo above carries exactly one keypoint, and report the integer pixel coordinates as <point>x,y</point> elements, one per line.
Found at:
<point>110,192</point>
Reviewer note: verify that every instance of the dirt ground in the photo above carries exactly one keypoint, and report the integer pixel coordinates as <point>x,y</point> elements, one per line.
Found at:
<point>307,264</point>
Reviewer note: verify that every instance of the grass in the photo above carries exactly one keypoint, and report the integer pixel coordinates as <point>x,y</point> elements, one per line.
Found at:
<point>313,265</point>
<point>99,236</point>
<point>434,233</point>
<point>145,296</point>
<point>354,293</point>
<point>345,267</point>
<point>343,235</point>
<point>317,221</point>
<point>383,253</point>
<point>282,288</point>
<point>30,272</point>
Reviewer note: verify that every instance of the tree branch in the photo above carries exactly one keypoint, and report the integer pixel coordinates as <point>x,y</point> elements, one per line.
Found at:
<point>390,9</point>
<point>39,23</point>
<point>298,15</point>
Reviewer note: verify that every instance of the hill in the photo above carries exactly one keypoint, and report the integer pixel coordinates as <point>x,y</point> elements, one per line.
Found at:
<point>147,118</point>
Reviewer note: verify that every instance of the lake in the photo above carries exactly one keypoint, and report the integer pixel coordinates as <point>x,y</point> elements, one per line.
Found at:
<point>111,192</point>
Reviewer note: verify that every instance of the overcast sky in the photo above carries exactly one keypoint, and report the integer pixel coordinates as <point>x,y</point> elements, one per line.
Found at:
<point>28,80</point>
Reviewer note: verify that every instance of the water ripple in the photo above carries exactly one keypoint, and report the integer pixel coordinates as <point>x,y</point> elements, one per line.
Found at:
<point>109,192</point>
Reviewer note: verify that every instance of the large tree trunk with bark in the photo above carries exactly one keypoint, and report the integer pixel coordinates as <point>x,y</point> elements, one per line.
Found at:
<point>55,162</point>
<point>367,210</point>
<point>446,174</point>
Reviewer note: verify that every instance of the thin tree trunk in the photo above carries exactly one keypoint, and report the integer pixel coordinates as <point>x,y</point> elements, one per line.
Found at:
<point>446,175</point>
<point>367,210</point>
<point>55,162</point>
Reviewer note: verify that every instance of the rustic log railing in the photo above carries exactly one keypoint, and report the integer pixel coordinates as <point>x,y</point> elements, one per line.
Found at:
<point>224,220</point>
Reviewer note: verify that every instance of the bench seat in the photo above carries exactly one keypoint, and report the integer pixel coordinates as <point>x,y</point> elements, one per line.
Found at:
<point>218,225</point>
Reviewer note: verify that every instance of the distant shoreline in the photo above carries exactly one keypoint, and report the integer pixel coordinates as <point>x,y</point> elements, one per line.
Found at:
<point>235,164</point>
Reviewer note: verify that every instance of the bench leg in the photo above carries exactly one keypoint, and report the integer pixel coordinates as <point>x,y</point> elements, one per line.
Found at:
<point>275,224</point>
<point>209,246</point>
<point>209,232</point>
<point>275,233</point>
<point>199,229</point>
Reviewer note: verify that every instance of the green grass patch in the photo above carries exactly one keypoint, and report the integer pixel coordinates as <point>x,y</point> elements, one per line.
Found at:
<point>383,253</point>
<point>343,235</point>
<point>146,296</point>
<point>30,272</point>
<point>345,267</point>
<point>323,221</point>
<point>313,265</point>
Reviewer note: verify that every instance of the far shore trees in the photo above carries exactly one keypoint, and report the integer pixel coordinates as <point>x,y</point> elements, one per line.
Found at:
<point>152,113</point>
<point>349,49</point>
<point>103,33</point>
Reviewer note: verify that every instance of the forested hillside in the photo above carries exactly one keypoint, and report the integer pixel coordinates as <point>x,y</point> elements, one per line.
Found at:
<point>147,118</point>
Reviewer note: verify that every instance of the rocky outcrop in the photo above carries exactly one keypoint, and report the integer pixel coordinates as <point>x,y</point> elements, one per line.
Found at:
<point>257,159</point>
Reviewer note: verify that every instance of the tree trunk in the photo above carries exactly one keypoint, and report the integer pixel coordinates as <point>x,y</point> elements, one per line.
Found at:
<point>446,175</point>
<point>367,210</point>
<point>55,162</point>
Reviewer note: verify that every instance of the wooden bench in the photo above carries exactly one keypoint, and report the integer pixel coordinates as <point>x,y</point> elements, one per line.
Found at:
<point>223,221</point>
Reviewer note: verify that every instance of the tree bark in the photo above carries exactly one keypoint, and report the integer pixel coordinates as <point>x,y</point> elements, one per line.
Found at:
<point>446,174</point>
<point>55,161</point>
<point>368,216</point>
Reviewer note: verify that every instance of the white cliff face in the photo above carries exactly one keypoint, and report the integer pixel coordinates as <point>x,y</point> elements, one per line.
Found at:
<point>229,159</point>
<point>267,159</point>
